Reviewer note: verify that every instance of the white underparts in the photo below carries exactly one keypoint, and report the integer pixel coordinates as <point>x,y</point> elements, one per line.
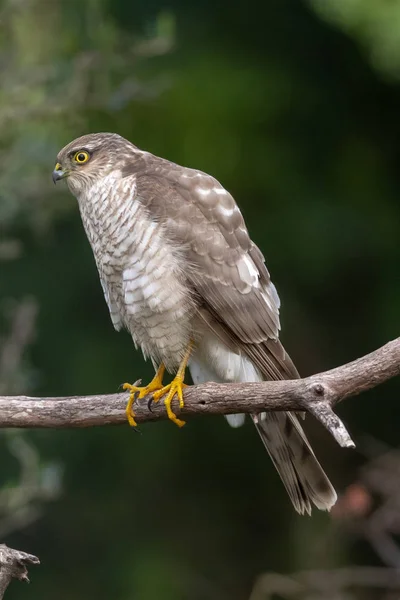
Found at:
<point>140,270</point>
<point>214,361</point>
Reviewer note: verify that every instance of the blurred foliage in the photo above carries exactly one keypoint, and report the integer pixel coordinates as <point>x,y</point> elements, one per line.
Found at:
<point>374,23</point>
<point>280,103</point>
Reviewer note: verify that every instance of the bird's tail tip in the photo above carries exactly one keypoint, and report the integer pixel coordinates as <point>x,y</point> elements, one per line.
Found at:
<point>302,475</point>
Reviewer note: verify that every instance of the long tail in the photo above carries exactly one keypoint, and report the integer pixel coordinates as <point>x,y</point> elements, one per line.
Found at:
<point>302,475</point>
<point>281,433</point>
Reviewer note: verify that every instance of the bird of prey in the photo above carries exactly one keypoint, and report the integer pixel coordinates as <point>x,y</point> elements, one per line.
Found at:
<point>180,272</point>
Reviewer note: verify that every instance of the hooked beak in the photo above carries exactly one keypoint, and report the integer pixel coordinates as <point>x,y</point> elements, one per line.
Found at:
<point>58,173</point>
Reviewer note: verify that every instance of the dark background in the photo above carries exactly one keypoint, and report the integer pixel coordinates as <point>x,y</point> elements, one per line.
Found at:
<point>294,107</point>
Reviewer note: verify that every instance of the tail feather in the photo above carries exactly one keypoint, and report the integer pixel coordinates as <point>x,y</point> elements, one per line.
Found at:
<point>302,475</point>
<point>281,432</point>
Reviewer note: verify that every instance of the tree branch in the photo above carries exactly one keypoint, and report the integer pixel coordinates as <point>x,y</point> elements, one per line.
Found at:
<point>317,395</point>
<point>13,565</point>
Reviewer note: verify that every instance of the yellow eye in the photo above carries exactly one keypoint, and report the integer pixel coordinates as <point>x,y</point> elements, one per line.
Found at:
<point>81,157</point>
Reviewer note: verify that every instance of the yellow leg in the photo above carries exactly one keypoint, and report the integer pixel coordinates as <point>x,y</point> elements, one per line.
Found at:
<point>175,387</point>
<point>155,384</point>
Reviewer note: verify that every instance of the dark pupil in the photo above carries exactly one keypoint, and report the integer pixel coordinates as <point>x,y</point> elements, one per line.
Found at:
<point>81,157</point>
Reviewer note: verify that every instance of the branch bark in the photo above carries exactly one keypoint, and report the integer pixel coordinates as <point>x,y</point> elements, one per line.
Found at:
<point>13,565</point>
<point>317,395</point>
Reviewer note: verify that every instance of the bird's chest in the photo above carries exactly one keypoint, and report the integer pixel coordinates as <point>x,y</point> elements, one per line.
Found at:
<point>143,278</point>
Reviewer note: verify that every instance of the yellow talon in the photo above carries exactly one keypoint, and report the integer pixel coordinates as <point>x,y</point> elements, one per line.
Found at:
<point>129,412</point>
<point>175,387</point>
<point>155,384</point>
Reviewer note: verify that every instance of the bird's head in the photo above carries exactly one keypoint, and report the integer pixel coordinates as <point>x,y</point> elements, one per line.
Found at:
<point>90,157</point>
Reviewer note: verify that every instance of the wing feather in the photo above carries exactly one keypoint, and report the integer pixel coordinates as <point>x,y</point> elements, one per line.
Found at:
<point>226,269</point>
<point>237,299</point>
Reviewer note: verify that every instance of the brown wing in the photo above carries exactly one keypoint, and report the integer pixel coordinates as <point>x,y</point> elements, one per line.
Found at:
<point>227,272</point>
<point>226,269</point>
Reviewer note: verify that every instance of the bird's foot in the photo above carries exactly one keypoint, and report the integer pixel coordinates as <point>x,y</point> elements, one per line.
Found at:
<point>155,384</point>
<point>175,387</point>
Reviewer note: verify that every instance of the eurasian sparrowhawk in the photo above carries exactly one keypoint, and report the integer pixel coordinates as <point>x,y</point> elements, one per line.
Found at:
<point>180,272</point>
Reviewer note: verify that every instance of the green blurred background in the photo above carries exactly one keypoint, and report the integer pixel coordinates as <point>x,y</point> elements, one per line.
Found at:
<point>294,107</point>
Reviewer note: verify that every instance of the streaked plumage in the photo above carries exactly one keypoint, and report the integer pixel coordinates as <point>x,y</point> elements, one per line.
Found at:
<point>176,264</point>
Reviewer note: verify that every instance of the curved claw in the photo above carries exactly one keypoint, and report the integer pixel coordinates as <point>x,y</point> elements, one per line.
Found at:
<point>138,392</point>
<point>175,387</point>
<point>133,390</point>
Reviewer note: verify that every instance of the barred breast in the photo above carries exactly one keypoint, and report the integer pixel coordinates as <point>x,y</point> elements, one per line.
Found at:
<point>141,271</point>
